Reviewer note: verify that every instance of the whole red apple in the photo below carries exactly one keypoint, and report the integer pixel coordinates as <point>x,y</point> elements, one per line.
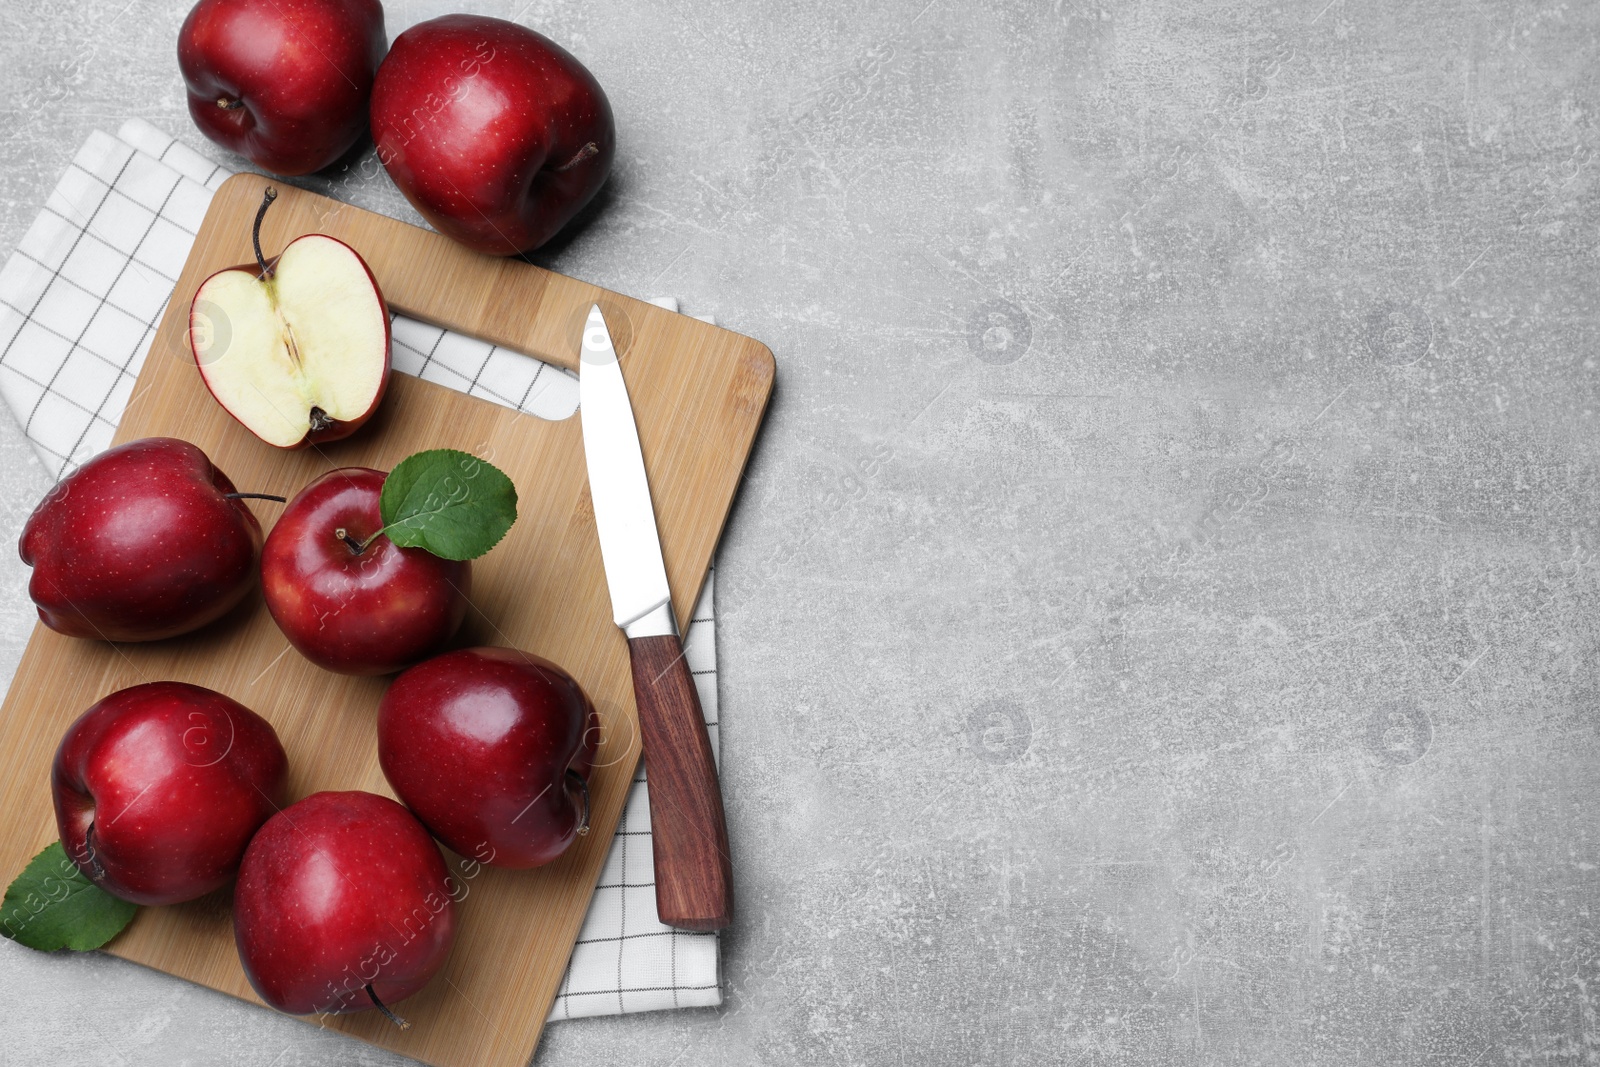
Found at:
<point>141,542</point>
<point>496,134</point>
<point>343,904</point>
<point>349,601</point>
<point>285,83</point>
<point>159,788</point>
<point>492,749</point>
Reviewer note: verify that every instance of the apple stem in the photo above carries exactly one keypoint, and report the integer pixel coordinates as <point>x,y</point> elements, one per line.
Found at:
<point>228,104</point>
<point>583,787</point>
<point>381,1006</point>
<point>254,496</point>
<point>93,859</point>
<point>590,149</point>
<point>267,198</point>
<point>355,547</point>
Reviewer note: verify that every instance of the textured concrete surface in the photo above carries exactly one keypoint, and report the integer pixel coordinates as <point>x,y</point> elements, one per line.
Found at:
<point>1158,626</point>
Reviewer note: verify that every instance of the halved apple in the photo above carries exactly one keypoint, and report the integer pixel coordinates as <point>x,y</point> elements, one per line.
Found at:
<point>297,349</point>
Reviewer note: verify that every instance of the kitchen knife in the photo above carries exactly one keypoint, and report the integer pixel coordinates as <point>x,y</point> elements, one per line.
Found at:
<point>694,877</point>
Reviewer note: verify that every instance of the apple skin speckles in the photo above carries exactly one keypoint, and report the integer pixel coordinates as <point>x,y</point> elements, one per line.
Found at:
<point>341,896</point>
<point>140,543</point>
<point>158,788</point>
<point>495,133</point>
<point>491,748</point>
<point>370,612</point>
<point>285,83</point>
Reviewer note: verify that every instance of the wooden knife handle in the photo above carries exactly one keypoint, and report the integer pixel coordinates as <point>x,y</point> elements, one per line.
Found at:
<point>694,875</point>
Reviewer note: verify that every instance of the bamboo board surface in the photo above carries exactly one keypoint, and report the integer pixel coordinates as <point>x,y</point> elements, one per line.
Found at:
<point>699,393</point>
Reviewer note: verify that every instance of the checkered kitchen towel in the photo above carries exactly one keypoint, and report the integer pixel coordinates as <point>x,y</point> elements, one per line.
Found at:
<point>79,303</point>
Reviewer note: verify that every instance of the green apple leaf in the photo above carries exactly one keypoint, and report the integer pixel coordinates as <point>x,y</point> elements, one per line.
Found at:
<point>52,905</point>
<point>450,503</point>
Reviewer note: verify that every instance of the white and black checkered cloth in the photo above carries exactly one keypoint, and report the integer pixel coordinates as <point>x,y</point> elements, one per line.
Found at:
<point>80,300</point>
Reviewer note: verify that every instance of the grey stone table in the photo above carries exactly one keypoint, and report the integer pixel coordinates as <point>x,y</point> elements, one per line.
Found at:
<point>1158,626</point>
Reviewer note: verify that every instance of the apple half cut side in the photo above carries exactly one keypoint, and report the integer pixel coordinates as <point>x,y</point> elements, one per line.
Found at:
<point>299,351</point>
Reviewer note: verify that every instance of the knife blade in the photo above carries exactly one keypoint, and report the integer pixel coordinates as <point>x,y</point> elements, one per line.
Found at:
<point>694,877</point>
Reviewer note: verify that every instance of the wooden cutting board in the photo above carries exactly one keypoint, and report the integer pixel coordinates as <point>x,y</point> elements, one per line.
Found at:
<point>698,392</point>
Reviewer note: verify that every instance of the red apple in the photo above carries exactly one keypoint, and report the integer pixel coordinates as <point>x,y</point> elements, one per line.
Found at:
<point>343,904</point>
<point>496,134</point>
<point>298,348</point>
<point>349,601</point>
<point>141,542</point>
<point>158,789</point>
<point>491,748</point>
<point>285,83</point>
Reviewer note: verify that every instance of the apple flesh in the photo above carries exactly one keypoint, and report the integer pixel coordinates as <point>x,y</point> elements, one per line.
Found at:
<point>496,134</point>
<point>285,83</point>
<point>492,749</point>
<point>343,904</point>
<point>141,542</point>
<point>159,788</point>
<point>354,609</point>
<point>297,350</point>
